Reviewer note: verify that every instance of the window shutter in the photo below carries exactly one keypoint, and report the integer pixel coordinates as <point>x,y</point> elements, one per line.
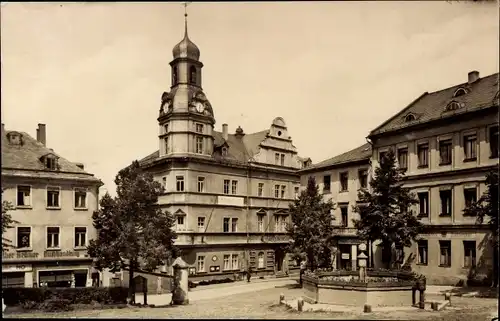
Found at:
<point>252,259</point>
<point>270,259</point>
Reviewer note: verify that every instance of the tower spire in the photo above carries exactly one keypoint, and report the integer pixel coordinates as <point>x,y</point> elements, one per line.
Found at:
<point>185,19</point>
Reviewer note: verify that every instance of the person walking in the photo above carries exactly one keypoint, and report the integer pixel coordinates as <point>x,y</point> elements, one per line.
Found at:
<point>249,272</point>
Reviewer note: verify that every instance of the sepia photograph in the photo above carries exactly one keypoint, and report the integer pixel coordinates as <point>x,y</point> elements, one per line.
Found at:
<point>250,160</point>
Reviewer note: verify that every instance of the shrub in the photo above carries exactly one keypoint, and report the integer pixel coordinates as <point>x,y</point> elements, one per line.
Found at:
<point>22,296</point>
<point>55,304</point>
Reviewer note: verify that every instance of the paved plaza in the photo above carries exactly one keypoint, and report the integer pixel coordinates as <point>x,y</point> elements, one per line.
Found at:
<point>260,300</point>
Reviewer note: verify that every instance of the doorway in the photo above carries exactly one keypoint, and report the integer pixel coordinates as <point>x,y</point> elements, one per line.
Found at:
<point>279,256</point>
<point>80,279</point>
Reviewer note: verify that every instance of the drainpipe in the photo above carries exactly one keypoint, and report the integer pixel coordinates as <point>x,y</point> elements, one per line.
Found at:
<point>248,215</point>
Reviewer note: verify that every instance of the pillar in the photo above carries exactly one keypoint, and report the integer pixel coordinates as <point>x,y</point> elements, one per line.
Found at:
<point>354,257</point>
<point>180,291</point>
<point>28,279</point>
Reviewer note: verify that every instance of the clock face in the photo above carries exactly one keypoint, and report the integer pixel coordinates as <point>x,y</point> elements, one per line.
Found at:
<point>200,107</point>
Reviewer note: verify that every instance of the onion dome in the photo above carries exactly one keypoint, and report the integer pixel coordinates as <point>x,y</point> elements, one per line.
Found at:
<point>186,48</point>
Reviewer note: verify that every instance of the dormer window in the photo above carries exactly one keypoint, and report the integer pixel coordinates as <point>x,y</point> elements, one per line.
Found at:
<point>15,138</point>
<point>50,161</point>
<point>409,118</point>
<point>224,151</point>
<point>460,92</point>
<point>453,106</point>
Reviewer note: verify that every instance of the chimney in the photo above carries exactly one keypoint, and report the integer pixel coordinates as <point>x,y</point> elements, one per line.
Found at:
<point>473,76</point>
<point>80,165</point>
<point>224,131</point>
<point>41,134</point>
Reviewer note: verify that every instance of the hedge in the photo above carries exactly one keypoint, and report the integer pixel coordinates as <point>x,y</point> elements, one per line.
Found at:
<point>23,296</point>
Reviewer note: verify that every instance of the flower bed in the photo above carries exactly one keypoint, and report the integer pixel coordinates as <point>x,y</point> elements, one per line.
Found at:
<point>381,287</point>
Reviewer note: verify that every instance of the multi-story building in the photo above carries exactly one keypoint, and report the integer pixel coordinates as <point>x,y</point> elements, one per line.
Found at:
<point>229,193</point>
<point>53,202</point>
<point>447,141</point>
<point>339,179</point>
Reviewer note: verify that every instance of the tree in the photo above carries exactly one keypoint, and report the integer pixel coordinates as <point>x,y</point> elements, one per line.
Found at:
<point>132,230</point>
<point>7,222</point>
<point>486,208</point>
<point>311,230</point>
<point>385,211</point>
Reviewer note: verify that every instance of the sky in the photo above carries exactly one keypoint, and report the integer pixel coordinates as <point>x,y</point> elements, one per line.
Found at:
<point>94,73</point>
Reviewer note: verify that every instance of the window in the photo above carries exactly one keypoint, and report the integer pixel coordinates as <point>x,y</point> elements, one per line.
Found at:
<point>174,76</point>
<point>276,223</point>
<point>283,223</point>
<point>80,198</point>
<point>469,254</point>
<point>180,183</point>
<point>276,158</point>
<point>23,237</point>
<point>344,178</point>
<point>199,145</point>
<point>224,151</point>
<point>200,263</point>
<point>326,183</point>
<point>235,262</point>
<point>260,223</point>
<point>459,92</point>
<point>470,196</point>
<point>470,144</point>
<point>192,75</point>
<point>296,192</point>
<point>80,236</point>
<point>494,141</point>
<point>51,163</point>
<point>52,237</point>
<point>201,224</point>
<point>423,204</point>
<point>283,191</point>
<point>445,253</point>
<point>23,195</point>
<point>260,189</point>
<point>344,218</point>
<point>282,159</point>
<point>201,184</point>
<point>423,155</point>
<point>280,223</point>
<point>227,262</point>
<point>422,252</point>
<point>234,225</point>
<point>403,158</point>
<point>276,191</point>
<point>164,182</point>
<point>445,197</point>
<point>53,196</point>
<point>363,178</point>
<point>226,186</point>
<point>260,260</point>
<point>234,187</point>
<point>180,223</point>
<point>409,118</point>
<point>225,225</point>
<point>199,128</point>
<point>445,152</point>
<point>381,157</point>
<point>166,145</point>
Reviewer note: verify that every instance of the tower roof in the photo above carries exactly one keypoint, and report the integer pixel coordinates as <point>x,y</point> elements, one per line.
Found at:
<point>186,48</point>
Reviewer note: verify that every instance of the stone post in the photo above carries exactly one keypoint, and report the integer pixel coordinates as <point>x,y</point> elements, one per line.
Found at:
<point>300,304</point>
<point>181,287</point>
<point>413,296</point>
<point>362,266</point>
<point>447,297</point>
<point>421,304</point>
<point>282,298</point>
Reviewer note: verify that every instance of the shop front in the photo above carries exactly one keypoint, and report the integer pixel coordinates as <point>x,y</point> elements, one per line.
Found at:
<point>17,275</point>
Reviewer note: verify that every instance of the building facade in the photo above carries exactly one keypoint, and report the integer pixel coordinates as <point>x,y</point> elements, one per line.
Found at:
<point>53,202</point>
<point>447,141</point>
<point>339,179</point>
<point>229,192</point>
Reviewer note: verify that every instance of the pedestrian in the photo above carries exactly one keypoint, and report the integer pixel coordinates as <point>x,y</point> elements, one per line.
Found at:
<point>302,270</point>
<point>249,272</point>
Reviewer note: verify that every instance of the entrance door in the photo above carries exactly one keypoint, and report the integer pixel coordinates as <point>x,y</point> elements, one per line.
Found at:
<point>279,256</point>
<point>344,258</point>
<point>80,279</point>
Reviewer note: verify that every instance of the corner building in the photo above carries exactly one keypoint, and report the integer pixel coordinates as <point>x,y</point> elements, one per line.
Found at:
<point>229,193</point>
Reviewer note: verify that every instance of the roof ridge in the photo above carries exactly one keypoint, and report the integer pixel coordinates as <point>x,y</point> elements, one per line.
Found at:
<point>461,84</point>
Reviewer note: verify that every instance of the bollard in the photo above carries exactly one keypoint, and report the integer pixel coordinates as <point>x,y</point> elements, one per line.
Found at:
<point>282,298</point>
<point>447,297</point>
<point>413,297</point>
<point>300,304</point>
<point>367,308</point>
<point>434,306</point>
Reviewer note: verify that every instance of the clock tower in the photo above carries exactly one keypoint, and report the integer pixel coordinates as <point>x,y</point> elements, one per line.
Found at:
<point>186,120</point>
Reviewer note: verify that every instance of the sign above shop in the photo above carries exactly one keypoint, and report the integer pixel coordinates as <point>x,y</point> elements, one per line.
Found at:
<point>275,238</point>
<point>36,255</point>
<point>16,268</point>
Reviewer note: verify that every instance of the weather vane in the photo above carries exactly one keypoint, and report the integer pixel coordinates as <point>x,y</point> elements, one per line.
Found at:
<point>186,4</point>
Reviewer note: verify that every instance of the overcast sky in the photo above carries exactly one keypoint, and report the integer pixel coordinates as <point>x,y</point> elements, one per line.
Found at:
<point>95,72</point>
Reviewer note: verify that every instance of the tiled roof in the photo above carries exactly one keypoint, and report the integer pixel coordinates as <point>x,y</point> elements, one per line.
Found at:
<point>431,106</point>
<point>241,148</point>
<point>24,160</point>
<point>363,152</point>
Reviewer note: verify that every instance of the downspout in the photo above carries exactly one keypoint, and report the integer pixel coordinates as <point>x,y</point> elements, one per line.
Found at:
<point>249,187</point>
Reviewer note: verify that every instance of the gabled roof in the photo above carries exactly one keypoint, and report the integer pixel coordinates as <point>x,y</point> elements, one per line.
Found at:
<point>362,153</point>
<point>25,160</point>
<point>431,106</point>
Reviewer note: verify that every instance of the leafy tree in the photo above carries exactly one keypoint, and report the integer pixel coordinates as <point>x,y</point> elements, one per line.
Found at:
<point>385,210</point>
<point>132,229</point>
<point>311,229</point>
<point>7,222</point>
<point>486,208</point>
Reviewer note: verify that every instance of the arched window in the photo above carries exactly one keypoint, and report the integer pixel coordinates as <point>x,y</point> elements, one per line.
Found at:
<point>260,260</point>
<point>409,117</point>
<point>460,92</point>
<point>174,76</point>
<point>453,106</point>
<point>192,75</point>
